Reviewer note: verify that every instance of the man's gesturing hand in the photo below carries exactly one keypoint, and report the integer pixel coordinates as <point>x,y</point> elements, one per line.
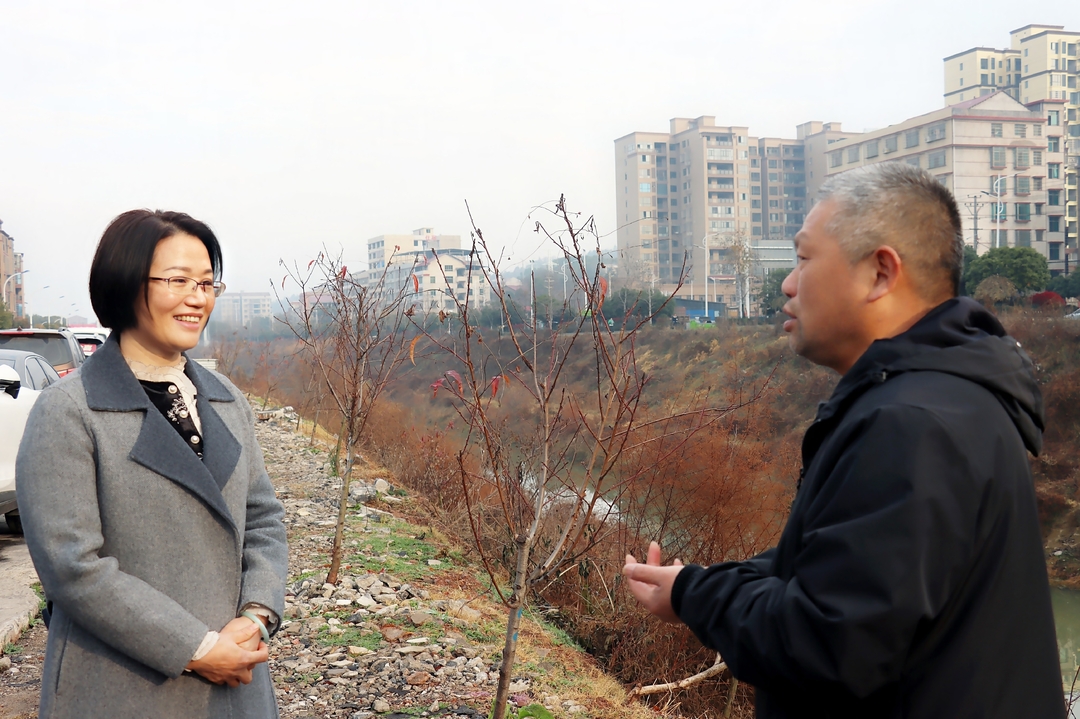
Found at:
<point>651,583</point>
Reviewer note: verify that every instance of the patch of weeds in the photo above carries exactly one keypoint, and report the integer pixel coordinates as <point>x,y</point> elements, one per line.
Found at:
<point>398,553</point>
<point>556,634</point>
<point>305,575</point>
<point>398,492</point>
<point>10,649</point>
<point>485,633</point>
<point>351,638</point>
<point>535,711</point>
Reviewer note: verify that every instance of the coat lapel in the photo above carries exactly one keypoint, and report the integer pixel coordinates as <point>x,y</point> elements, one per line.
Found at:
<point>112,387</point>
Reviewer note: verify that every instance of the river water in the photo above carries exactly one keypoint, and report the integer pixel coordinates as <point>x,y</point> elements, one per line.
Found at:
<point>1067,620</point>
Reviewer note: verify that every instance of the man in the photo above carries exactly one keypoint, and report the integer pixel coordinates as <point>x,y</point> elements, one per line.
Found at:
<point>910,579</point>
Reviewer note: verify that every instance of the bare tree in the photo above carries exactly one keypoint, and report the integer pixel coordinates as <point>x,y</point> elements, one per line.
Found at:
<point>354,333</point>
<point>540,465</point>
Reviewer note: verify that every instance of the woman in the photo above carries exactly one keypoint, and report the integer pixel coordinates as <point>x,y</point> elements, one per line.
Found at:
<point>146,505</point>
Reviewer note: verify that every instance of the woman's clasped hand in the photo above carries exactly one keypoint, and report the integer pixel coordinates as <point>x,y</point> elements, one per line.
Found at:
<point>238,649</point>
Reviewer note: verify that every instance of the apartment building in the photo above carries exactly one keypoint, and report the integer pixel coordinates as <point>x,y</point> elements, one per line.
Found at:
<point>444,271</point>
<point>995,154</point>
<point>405,248</point>
<point>1039,69</point>
<point>688,199</point>
<point>11,282</point>
<point>237,309</point>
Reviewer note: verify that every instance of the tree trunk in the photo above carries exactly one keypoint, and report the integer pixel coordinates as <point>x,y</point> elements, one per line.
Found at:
<point>343,507</point>
<point>513,621</point>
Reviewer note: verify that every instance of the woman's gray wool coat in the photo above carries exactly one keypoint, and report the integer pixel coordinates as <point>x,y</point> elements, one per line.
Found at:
<point>142,546</point>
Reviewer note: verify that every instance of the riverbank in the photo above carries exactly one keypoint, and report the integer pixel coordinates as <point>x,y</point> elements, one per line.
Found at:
<point>410,630</point>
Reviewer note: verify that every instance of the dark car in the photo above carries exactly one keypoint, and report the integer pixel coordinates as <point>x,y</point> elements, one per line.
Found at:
<point>59,347</point>
<point>35,372</point>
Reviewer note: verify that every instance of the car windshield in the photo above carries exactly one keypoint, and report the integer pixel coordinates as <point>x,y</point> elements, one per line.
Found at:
<point>53,348</point>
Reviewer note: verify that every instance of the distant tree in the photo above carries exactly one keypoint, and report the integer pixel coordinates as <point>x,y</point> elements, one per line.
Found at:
<point>995,290</point>
<point>1024,267</point>
<point>641,303</point>
<point>1065,285</point>
<point>7,319</point>
<point>772,298</point>
<point>970,255</point>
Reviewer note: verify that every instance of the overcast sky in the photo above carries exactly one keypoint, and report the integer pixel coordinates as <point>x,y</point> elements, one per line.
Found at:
<point>287,126</point>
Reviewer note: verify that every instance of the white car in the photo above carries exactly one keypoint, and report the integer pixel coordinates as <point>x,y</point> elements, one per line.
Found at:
<point>1074,315</point>
<point>22,377</point>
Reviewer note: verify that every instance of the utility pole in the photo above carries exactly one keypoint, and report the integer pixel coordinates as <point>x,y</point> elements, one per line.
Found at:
<point>974,205</point>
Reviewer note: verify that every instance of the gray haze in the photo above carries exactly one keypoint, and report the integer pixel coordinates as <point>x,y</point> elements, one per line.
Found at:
<point>287,125</point>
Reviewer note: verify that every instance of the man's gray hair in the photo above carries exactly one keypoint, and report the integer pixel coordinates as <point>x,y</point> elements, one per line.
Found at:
<point>906,208</point>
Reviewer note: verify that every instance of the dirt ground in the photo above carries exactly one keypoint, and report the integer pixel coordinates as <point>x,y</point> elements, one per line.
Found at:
<point>20,685</point>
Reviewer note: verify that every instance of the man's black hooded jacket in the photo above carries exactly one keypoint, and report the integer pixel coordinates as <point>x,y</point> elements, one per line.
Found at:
<point>910,578</point>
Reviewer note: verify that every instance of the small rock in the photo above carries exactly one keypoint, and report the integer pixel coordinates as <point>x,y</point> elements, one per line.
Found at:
<point>575,709</point>
<point>380,706</point>
<point>5,664</point>
<point>382,486</point>
<point>417,640</point>
<point>419,678</point>
<point>419,618</point>
<point>392,633</point>
<point>463,611</point>
<point>359,651</point>
<point>434,563</point>
<point>434,706</point>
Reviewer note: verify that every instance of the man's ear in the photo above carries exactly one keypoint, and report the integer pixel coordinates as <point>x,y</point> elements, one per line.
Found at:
<point>888,268</point>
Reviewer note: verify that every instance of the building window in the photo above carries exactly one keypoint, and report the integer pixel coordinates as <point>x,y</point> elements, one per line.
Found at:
<point>1023,238</point>
<point>1023,212</point>
<point>1053,170</point>
<point>984,79</point>
<point>1023,185</point>
<point>1055,251</point>
<point>1036,184</point>
<point>1053,223</point>
<point>1053,118</point>
<point>936,159</point>
<point>996,130</point>
<point>913,160</point>
<point>871,149</point>
<point>1053,197</point>
<point>1036,130</point>
<point>836,159</point>
<point>1022,158</point>
<point>1036,157</point>
<point>1020,130</point>
<point>999,212</point>
<point>891,143</point>
<point>853,154</point>
<point>999,238</point>
<point>997,157</point>
<point>935,132</point>
<point>911,138</point>
<point>1053,144</point>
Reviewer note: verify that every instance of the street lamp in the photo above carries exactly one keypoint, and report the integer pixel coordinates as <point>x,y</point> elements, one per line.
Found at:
<point>3,295</point>
<point>705,245</point>
<point>999,214</point>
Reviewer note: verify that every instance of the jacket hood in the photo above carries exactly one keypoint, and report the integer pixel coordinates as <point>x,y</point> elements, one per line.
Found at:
<point>958,337</point>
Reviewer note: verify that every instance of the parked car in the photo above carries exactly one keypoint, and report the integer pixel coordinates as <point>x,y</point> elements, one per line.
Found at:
<point>90,338</point>
<point>59,347</point>
<point>1074,315</point>
<point>35,372</point>
<point>23,375</point>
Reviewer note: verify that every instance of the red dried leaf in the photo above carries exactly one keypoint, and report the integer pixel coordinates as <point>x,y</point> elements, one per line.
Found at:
<point>457,378</point>
<point>435,387</point>
<point>603,293</point>
<point>495,385</point>
<point>416,283</point>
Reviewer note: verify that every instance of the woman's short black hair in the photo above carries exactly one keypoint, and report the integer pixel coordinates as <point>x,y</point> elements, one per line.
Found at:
<point>118,275</point>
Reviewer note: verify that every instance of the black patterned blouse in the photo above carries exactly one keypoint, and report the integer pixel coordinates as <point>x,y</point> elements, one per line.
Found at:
<point>166,397</point>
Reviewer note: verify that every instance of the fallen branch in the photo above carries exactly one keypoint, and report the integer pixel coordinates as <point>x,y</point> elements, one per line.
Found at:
<point>712,671</point>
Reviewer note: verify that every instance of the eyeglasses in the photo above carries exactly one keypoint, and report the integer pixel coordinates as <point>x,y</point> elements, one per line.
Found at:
<point>187,286</point>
